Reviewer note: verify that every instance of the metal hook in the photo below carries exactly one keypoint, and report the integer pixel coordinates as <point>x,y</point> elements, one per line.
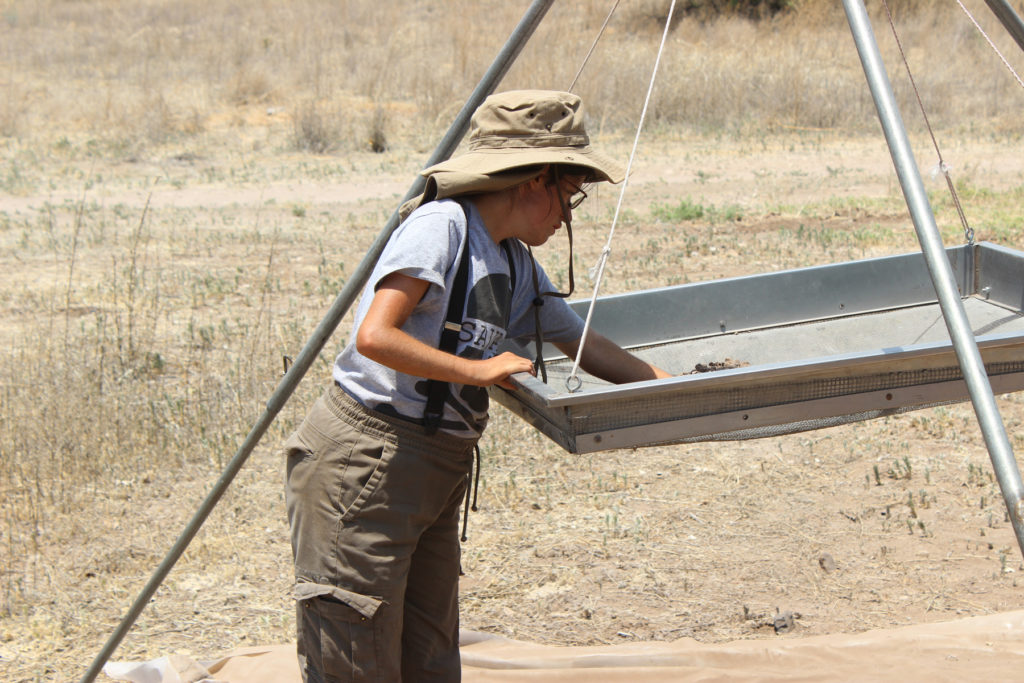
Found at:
<point>570,386</point>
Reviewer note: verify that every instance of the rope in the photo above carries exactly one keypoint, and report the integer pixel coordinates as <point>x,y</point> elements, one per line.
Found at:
<point>943,167</point>
<point>573,382</point>
<point>593,45</point>
<point>990,43</point>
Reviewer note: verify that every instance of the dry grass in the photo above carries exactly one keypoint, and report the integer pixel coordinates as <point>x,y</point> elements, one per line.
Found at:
<point>185,188</point>
<point>128,77</point>
<point>141,344</point>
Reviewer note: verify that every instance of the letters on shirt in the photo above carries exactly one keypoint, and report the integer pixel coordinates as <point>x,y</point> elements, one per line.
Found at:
<point>482,336</point>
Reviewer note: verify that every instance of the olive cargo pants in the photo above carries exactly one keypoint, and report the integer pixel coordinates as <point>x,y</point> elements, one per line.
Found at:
<point>373,505</point>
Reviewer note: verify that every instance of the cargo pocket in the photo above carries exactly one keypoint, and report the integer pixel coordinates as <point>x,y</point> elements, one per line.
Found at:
<point>336,638</point>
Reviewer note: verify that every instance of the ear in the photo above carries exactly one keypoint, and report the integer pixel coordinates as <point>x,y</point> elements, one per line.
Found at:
<point>535,183</point>
<point>543,175</point>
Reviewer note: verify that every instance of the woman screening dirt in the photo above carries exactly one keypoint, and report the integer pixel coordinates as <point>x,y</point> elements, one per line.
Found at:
<point>378,469</point>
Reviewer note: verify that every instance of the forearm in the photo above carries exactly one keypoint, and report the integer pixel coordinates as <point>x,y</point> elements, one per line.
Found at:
<point>400,351</point>
<point>605,359</point>
<point>381,338</point>
<point>404,353</point>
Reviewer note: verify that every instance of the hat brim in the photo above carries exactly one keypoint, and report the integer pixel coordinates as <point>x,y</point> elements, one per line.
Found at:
<point>490,161</point>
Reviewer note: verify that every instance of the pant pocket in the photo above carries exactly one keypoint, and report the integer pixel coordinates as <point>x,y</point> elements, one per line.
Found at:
<point>332,464</point>
<point>335,642</point>
<point>366,465</point>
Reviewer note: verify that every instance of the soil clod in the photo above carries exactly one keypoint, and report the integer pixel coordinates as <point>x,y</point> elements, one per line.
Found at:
<point>712,366</point>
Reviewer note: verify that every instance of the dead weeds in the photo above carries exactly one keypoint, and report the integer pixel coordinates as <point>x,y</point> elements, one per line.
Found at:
<point>869,525</point>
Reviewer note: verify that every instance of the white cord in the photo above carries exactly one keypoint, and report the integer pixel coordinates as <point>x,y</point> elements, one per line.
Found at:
<point>991,44</point>
<point>573,382</point>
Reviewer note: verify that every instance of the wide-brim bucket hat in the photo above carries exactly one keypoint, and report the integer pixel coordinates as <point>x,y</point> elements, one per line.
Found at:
<point>518,129</point>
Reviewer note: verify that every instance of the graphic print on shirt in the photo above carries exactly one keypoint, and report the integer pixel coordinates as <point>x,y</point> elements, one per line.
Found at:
<point>484,326</point>
<point>485,322</point>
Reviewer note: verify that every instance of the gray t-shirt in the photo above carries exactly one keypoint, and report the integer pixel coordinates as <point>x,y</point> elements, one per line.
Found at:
<point>427,246</point>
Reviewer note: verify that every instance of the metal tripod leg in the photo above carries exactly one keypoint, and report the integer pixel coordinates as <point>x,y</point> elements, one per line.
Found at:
<point>1010,20</point>
<point>960,333</point>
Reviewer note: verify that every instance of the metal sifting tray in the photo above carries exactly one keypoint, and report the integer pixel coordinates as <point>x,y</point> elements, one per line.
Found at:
<point>802,349</point>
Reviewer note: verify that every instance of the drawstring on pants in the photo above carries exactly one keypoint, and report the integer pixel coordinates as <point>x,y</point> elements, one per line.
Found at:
<point>475,488</point>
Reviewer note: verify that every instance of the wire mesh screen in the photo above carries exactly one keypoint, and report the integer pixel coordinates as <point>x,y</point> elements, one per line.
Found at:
<point>797,426</point>
<point>661,407</point>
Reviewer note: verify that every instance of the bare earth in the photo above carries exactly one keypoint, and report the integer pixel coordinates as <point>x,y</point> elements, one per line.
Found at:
<point>893,522</point>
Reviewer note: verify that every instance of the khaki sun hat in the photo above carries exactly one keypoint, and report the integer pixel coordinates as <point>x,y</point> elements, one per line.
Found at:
<point>512,130</point>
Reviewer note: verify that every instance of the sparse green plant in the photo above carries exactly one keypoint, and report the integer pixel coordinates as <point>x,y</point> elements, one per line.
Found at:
<point>900,469</point>
<point>730,213</point>
<point>978,476</point>
<point>685,210</point>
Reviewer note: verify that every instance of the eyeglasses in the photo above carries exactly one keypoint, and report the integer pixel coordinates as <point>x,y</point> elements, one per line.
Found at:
<point>576,198</point>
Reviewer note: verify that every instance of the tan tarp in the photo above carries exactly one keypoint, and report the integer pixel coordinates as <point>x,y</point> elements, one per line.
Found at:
<point>989,648</point>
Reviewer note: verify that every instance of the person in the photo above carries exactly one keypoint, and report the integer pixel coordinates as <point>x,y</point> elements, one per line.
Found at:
<point>374,484</point>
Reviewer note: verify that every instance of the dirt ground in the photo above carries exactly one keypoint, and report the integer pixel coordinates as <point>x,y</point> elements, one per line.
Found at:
<point>878,524</point>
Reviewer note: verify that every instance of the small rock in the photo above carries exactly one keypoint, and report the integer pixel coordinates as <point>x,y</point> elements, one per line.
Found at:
<point>783,622</point>
<point>827,563</point>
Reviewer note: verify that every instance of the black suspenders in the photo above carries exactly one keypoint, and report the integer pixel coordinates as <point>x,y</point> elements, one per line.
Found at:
<point>437,391</point>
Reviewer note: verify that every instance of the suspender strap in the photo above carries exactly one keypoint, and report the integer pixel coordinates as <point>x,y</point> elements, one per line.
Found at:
<point>437,391</point>
<point>511,267</point>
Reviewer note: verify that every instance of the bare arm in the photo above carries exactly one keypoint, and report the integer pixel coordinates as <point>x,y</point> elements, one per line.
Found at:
<point>605,359</point>
<point>381,338</point>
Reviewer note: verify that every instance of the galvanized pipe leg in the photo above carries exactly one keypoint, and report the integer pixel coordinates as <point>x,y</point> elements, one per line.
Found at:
<point>960,333</point>
<point>1011,20</point>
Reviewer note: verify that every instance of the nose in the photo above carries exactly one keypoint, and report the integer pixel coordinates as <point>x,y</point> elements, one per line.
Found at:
<point>566,210</point>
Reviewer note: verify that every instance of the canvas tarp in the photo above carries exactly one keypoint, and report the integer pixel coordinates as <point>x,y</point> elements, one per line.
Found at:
<point>987,648</point>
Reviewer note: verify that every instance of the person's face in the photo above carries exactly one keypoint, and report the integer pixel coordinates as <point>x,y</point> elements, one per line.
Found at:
<point>548,204</point>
